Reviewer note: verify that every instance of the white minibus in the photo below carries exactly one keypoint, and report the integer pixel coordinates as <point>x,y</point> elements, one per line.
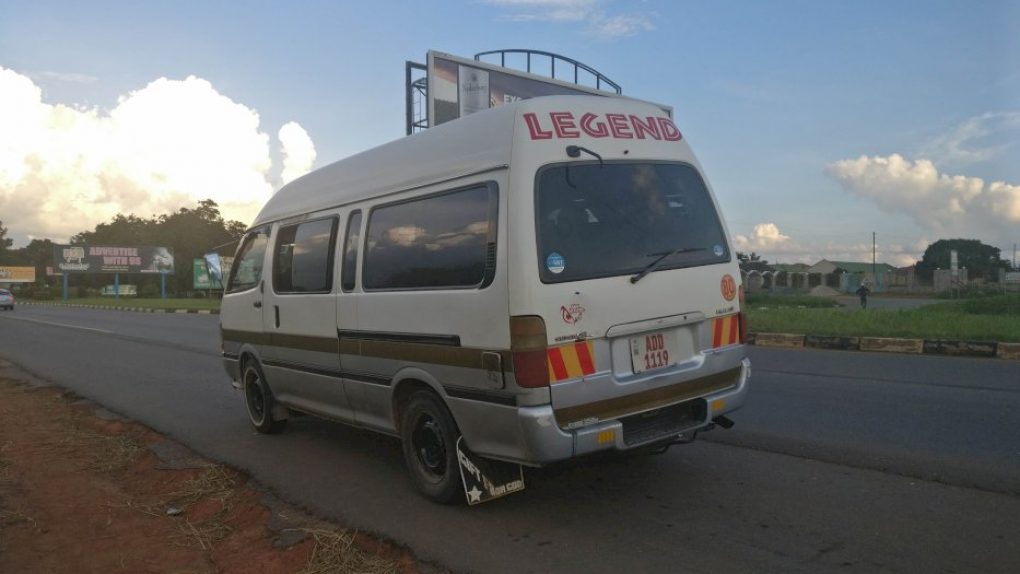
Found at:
<point>527,284</point>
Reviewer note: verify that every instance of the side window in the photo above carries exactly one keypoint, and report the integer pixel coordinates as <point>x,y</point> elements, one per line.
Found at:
<point>440,241</point>
<point>351,245</point>
<point>246,272</point>
<point>303,259</point>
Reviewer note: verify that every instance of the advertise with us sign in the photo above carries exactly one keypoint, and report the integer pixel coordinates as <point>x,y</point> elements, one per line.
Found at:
<point>112,259</point>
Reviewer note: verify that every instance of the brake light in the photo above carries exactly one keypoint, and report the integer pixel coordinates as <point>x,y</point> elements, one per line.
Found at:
<point>528,346</point>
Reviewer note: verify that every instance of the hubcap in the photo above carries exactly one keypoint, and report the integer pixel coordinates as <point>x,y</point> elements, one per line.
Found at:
<point>429,446</point>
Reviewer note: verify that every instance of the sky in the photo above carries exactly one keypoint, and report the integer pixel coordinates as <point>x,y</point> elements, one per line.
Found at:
<point>817,123</point>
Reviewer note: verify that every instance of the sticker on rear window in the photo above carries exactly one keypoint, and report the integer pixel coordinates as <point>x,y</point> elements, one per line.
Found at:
<point>718,250</point>
<point>555,263</point>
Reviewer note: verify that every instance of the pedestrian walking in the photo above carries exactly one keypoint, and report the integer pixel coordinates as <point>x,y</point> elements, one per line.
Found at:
<point>862,292</point>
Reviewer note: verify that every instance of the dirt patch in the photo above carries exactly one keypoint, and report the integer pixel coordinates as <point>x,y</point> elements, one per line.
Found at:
<point>87,493</point>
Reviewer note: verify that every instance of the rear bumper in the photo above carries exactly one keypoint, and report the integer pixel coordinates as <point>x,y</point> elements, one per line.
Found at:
<point>545,442</point>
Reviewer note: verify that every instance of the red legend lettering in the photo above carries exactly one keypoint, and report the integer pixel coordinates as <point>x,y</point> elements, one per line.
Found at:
<point>537,133</point>
<point>596,130</point>
<point>564,125</point>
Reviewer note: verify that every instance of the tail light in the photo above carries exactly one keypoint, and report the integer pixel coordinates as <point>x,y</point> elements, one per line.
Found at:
<point>741,316</point>
<point>528,346</point>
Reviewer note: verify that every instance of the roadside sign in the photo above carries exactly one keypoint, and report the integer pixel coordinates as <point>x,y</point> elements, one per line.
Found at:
<point>17,274</point>
<point>205,277</point>
<point>113,259</point>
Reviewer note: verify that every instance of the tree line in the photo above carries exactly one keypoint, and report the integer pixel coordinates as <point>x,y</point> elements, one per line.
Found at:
<point>979,259</point>
<point>191,233</point>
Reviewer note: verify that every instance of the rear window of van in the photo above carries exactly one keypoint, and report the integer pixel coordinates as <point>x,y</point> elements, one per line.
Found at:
<point>602,220</point>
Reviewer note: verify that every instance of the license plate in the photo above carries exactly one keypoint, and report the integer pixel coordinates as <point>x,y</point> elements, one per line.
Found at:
<point>653,351</point>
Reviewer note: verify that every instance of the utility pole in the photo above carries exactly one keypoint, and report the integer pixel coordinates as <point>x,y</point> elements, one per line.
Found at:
<point>874,264</point>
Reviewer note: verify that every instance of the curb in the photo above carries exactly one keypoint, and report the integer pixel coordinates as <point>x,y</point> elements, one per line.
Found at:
<point>951,347</point>
<point>118,308</point>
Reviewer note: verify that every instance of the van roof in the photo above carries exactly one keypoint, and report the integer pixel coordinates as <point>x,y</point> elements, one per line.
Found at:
<point>471,144</point>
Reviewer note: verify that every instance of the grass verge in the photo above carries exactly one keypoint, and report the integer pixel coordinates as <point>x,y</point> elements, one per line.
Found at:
<point>989,319</point>
<point>759,301</point>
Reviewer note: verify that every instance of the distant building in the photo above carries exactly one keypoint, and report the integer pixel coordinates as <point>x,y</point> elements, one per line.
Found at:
<point>852,273</point>
<point>825,266</point>
<point>791,267</point>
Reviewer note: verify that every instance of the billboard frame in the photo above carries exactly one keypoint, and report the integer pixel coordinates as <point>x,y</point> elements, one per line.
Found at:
<point>426,87</point>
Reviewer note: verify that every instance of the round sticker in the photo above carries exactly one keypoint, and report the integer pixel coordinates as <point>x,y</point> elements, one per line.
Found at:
<point>555,263</point>
<point>728,287</point>
<point>718,250</point>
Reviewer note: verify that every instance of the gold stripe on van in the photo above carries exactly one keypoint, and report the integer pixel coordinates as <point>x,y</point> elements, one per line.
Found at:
<point>422,353</point>
<point>300,342</point>
<point>394,350</point>
<point>647,400</point>
<point>250,337</point>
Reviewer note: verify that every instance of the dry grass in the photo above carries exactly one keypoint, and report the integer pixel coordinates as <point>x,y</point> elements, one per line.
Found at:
<point>115,452</point>
<point>336,552</point>
<point>5,467</point>
<point>214,482</point>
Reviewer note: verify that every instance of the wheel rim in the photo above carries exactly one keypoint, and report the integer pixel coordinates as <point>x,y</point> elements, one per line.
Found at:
<point>429,446</point>
<point>255,398</point>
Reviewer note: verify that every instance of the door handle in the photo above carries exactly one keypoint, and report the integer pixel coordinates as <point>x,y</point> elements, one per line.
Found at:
<point>257,304</point>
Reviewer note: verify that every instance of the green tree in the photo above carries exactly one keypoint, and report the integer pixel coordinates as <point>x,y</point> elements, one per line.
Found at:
<point>190,233</point>
<point>752,262</point>
<point>980,260</point>
<point>5,243</point>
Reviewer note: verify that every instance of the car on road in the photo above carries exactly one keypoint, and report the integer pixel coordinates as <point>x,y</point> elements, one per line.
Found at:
<point>6,300</point>
<point>527,284</point>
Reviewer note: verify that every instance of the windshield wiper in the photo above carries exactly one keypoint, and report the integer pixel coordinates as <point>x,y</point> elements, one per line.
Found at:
<point>662,257</point>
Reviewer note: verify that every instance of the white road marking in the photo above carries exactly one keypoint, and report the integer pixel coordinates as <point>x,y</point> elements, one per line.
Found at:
<point>62,325</point>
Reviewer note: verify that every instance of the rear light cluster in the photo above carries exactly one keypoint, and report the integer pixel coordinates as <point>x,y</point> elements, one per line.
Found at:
<point>528,346</point>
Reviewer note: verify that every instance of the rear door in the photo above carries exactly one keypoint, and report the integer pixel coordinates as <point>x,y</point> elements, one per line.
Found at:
<point>634,267</point>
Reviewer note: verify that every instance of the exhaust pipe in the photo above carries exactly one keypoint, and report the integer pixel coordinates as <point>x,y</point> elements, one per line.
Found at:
<point>723,422</point>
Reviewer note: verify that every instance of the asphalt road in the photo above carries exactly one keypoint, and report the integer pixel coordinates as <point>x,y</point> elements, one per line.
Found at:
<point>842,461</point>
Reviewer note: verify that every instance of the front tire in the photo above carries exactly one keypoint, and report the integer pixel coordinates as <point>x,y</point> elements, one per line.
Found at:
<point>258,400</point>
<point>429,435</point>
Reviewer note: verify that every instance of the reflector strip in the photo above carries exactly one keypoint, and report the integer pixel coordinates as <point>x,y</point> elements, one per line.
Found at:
<point>725,331</point>
<point>571,361</point>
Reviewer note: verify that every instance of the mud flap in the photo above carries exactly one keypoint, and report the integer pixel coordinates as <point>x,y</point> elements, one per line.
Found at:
<point>485,479</point>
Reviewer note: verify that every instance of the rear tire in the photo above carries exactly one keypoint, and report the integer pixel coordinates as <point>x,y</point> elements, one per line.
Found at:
<point>429,435</point>
<point>258,400</point>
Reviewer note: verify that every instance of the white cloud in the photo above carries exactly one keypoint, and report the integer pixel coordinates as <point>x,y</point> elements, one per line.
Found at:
<point>68,77</point>
<point>939,203</point>
<point>167,145</point>
<point>298,151</point>
<point>767,241</point>
<point>978,139</point>
<point>593,14</point>
<point>764,236</point>
<point>619,26</point>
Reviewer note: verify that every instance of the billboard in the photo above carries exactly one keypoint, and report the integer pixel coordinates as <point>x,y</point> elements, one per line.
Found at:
<point>458,87</point>
<point>17,274</point>
<point>112,259</point>
<point>208,272</point>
